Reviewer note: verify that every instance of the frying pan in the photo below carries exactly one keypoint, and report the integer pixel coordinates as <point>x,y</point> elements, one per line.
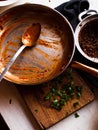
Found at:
<point>53,52</point>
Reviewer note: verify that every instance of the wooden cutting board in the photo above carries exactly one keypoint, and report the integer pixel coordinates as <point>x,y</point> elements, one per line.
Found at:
<point>46,116</point>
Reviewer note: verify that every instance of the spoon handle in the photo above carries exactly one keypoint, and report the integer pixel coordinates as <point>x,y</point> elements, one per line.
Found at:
<point>85,68</point>
<point>11,61</point>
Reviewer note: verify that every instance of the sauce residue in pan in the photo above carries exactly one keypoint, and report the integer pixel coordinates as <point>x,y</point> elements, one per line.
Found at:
<point>38,63</point>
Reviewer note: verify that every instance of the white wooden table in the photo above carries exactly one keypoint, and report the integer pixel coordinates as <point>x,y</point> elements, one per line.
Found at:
<point>18,117</point>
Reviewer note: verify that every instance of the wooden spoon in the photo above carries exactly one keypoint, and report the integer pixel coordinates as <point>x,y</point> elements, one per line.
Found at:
<point>29,39</point>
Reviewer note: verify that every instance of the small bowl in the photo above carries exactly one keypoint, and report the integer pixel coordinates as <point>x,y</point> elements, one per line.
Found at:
<point>86,37</point>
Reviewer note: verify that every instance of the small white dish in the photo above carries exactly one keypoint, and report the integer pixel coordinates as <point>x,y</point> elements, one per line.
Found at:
<point>7,2</point>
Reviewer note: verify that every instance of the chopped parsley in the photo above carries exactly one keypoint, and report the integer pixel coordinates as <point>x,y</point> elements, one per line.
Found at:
<point>36,110</point>
<point>75,104</point>
<point>76,115</point>
<point>61,92</point>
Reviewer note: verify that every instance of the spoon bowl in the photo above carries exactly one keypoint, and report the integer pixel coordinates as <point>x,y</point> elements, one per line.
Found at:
<point>31,35</point>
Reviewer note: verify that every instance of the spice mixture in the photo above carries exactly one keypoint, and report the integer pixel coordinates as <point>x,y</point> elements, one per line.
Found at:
<point>88,38</point>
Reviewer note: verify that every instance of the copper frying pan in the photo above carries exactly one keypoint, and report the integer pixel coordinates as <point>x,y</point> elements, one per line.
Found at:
<point>52,53</point>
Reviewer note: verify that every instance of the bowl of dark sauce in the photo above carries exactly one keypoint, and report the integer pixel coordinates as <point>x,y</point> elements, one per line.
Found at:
<point>86,37</point>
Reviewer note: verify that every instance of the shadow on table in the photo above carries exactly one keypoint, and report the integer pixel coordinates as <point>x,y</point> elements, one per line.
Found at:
<point>3,125</point>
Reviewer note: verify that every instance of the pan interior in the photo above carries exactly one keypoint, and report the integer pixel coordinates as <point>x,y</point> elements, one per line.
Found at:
<point>47,58</point>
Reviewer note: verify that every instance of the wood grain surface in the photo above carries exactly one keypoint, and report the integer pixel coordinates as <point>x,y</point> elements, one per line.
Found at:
<point>43,113</point>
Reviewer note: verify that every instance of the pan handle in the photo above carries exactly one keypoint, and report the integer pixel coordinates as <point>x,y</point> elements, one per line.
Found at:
<point>86,13</point>
<point>85,68</point>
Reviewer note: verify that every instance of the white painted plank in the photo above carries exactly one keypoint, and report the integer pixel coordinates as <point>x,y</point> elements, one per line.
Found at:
<point>14,110</point>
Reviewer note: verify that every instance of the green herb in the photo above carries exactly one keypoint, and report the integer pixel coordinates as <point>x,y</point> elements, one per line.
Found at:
<point>54,89</point>
<point>76,115</point>
<point>68,73</point>
<point>67,113</point>
<point>56,104</point>
<point>78,95</point>
<point>36,110</point>
<point>60,93</point>
<point>78,91</point>
<point>62,102</point>
<point>75,104</point>
<point>48,96</point>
